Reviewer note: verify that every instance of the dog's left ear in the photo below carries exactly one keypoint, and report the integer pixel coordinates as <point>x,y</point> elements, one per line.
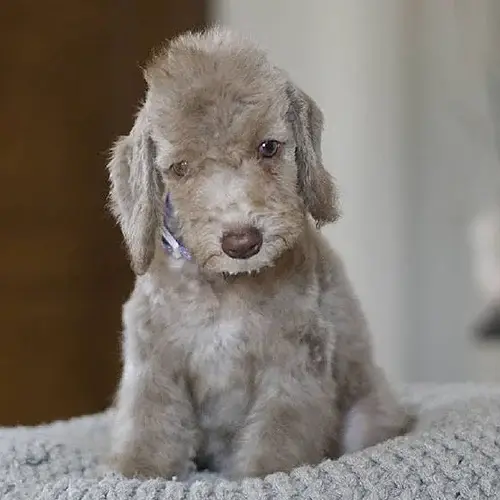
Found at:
<point>315,184</point>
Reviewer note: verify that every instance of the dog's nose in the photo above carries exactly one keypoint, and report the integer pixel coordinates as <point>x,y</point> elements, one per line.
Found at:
<point>242,243</point>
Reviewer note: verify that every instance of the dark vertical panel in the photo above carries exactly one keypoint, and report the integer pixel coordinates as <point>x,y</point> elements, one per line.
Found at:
<point>70,83</point>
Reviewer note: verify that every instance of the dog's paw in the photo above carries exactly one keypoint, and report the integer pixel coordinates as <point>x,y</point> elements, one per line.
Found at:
<point>134,467</point>
<point>203,476</point>
<point>186,472</point>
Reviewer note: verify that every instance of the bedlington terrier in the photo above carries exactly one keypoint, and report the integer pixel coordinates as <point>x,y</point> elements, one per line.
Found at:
<point>245,350</point>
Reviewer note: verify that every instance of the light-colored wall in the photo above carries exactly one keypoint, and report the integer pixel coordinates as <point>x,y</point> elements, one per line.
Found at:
<point>409,138</point>
<point>458,176</point>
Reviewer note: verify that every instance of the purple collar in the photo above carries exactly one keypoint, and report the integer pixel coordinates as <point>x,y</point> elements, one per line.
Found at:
<point>172,245</point>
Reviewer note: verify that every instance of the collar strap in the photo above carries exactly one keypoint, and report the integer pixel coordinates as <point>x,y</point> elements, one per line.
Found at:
<point>170,244</point>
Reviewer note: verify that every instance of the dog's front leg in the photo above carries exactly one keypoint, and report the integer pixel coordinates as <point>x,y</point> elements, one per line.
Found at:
<point>287,427</point>
<point>155,432</point>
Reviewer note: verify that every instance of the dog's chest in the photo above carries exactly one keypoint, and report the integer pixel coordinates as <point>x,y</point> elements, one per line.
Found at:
<point>218,363</point>
<point>214,349</point>
<point>214,342</point>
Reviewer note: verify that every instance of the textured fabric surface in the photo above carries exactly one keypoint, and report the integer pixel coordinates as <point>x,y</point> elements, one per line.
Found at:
<point>454,453</point>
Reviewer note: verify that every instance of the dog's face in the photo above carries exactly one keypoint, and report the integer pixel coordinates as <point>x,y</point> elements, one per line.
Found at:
<point>237,148</point>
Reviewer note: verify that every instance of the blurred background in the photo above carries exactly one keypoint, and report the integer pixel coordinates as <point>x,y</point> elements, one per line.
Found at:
<point>411,94</point>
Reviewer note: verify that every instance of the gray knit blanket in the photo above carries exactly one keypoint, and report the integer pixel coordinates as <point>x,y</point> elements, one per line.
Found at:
<point>453,453</point>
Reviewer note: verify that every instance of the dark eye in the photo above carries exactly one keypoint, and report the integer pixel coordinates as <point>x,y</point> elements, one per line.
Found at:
<point>179,168</point>
<point>269,148</point>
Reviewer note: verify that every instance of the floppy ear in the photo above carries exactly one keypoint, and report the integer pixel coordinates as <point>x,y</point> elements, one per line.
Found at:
<point>136,192</point>
<point>315,184</point>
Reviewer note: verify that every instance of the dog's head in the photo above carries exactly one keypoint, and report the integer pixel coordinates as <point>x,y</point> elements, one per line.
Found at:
<point>236,146</point>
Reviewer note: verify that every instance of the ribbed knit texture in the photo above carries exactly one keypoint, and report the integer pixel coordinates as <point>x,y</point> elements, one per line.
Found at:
<point>454,453</point>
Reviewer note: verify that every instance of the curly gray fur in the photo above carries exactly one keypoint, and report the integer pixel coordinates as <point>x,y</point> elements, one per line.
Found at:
<point>244,366</point>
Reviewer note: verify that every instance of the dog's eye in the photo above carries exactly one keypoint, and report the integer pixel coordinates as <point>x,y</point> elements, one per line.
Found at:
<point>179,168</point>
<point>269,148</point>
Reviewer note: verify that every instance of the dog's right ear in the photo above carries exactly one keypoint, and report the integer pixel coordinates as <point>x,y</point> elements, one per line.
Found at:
<point>136,192</point>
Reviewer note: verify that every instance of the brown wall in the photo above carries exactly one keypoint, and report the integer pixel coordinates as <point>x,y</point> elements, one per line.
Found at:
<point>69,85</point>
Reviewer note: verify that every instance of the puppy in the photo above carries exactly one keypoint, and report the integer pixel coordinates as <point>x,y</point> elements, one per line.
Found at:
<point>245,350</point>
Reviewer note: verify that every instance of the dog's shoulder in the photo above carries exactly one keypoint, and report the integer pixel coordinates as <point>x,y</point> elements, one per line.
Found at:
<point>329,265</point>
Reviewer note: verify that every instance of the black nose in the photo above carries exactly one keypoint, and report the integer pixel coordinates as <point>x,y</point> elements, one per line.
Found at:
<point>242,243</point>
